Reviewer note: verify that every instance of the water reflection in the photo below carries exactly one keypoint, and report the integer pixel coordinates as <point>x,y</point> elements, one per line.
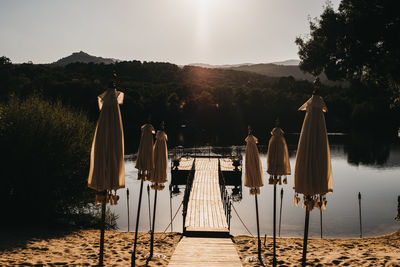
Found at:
<point>366,164</point>
<point>176,191</point>
<point>368,149</point>
<point>236,193</point>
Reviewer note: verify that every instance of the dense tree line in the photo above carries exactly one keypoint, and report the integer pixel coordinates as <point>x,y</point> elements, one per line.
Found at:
<point>199,105</point>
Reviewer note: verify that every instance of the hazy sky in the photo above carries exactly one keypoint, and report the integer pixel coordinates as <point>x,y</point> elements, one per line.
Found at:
<point>177,31</point>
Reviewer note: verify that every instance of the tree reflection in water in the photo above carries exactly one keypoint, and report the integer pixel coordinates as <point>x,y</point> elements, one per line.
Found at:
<point>368,148</point>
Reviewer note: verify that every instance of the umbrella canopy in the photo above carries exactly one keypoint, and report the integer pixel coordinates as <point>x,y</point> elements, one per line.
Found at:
<point>253,171</point>
<point>145,156</point>
<point>159,173</point>
<point>107,170</point>
<point>313,171</point>
<point>278,156</point>
<point>278,166</point>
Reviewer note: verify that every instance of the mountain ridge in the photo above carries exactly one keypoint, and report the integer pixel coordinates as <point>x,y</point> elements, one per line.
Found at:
<point>83,57</point>
<point>275,69</point>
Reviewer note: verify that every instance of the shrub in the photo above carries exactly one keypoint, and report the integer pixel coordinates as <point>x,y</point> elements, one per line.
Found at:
<point>45,150</point>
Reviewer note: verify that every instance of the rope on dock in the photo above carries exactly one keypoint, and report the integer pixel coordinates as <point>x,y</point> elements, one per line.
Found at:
<point>173,218</point>
<point>237,214</point>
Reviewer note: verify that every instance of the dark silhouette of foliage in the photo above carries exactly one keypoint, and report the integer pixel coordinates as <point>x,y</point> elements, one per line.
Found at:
<point>45,160</point>
<point>359,43</point>
<point>199,105</point>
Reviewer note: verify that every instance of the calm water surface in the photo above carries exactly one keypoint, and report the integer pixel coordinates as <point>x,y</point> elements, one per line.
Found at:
<point>373,170</point>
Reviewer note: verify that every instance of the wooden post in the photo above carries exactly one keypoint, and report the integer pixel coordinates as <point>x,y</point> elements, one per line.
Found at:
<point>148,200</point>
<point>274,225</point>
<point>152,228</point>
<point>127,204</point>
<point>359,211</point>
<point>280,213</point>
<point>133,258</point>
<point>258,230</point>
<point>307,220</point>
<point>320,212</point>
<point>170,205</point>
<point>102,226</point>
<point>229,215</point>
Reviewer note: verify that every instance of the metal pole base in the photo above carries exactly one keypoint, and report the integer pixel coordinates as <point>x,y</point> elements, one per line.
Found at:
<point>274,217</point>
<point>258,232</point>
<point>307,220</point>
<point>102,226</point>
<point>133,258</point>
<point>152,228</point>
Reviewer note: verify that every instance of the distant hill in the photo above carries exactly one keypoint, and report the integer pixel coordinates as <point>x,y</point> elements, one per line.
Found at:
<point>289,62</point>
<point>83,58</point>
<point>277,69</point>
<point>225,66</point>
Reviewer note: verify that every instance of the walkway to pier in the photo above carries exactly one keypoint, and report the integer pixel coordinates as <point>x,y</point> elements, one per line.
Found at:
<point>201,251</point>
<point>205,211</point>
<point>205,217</point>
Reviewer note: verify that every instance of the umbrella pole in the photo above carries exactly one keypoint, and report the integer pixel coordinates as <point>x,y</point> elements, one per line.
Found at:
<point>137,225</point>
<point>148,200</point>
<point>307,220</point>
<point>274,218</point>
<point>152,228</point>
<point>170,207</point>
<point>280,213</point>
<point>359,211</point>
<point>102,226</point>
<point>127,204</point>
<point>320,212</point>
<point>258,231</point>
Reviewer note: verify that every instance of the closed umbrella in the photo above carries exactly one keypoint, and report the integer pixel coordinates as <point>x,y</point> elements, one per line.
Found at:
<point>313,171</point>
<point>107,173</point>
<point>159,174</point>
<point>145,155</point>
<point>278,165</point>
<point>253,176</point>
<point>145,165</point>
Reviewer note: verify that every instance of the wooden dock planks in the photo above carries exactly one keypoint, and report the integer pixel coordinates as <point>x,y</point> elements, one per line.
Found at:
<point>199,251</point>
<point>205,211</point>
<point>205,214</point>
<point>186,164</point>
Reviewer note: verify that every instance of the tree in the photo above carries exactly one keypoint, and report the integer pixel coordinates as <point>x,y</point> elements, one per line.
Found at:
<point>45,157</point>
<point>5,60</point>
<point>359,42</point>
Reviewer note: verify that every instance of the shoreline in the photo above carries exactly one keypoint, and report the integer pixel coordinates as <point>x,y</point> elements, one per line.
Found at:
<point>80,248</point>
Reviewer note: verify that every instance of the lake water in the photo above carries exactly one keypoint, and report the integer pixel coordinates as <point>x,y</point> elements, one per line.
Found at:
<point>358,164</point>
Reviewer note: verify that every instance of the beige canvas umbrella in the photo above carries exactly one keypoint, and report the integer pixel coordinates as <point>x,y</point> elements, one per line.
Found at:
<point>145,155</point>
<point>159,174</point>
<point>107,172</point>
<point>313,171</point>
<point>145,165</point>
<point>253,177</point>
<point>278,165</point>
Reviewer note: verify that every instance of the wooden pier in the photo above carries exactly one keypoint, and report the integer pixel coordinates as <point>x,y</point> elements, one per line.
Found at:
<point>205,214</point>
<point>206,241</point>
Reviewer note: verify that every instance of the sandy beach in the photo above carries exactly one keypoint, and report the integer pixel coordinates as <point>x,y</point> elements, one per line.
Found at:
<point>80,248</point>
<point>377,251</point>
